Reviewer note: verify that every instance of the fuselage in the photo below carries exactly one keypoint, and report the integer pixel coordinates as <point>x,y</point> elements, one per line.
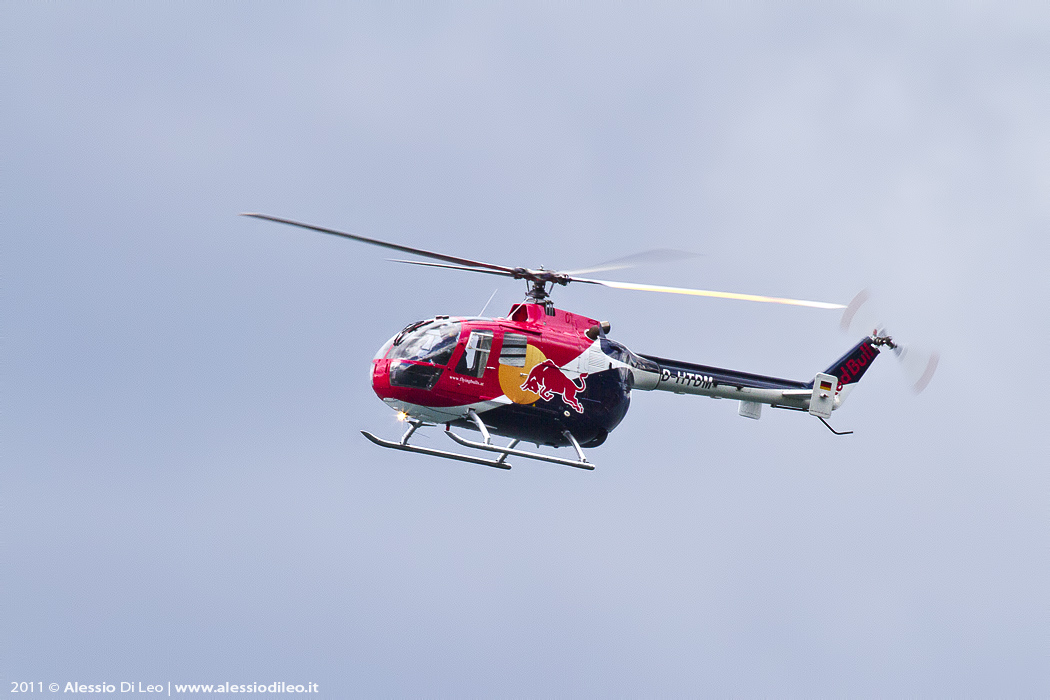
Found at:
<point>530,376</point>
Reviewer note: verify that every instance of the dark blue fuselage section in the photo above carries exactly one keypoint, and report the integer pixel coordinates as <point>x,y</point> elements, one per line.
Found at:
<point>604,401</point>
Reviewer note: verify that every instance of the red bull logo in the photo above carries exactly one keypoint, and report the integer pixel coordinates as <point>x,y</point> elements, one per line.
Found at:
<point>853,367</point>
<point>547,379</point>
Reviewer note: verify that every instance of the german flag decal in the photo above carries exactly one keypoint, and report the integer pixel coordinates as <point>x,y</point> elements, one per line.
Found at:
<point>825,386</point>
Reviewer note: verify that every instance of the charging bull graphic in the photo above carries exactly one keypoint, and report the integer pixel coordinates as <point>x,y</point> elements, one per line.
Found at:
<point>547,379</point>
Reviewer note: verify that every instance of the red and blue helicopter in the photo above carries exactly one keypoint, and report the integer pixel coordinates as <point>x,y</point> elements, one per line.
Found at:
<point>551,377</point>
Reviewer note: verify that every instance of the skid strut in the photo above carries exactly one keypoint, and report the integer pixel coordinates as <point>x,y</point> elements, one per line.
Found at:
<point>486,445</point>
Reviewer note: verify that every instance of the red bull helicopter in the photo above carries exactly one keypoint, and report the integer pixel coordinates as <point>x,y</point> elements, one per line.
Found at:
<point>550,377</point>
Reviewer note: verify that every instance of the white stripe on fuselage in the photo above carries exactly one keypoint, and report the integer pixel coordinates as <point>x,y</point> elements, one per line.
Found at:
<point>591,361</point>
<point>444,414</point>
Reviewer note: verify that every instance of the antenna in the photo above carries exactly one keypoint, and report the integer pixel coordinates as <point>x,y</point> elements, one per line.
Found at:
<point>482,312</point>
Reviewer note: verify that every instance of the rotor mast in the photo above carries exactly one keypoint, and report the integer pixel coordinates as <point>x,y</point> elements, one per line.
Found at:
<point>541,283</point>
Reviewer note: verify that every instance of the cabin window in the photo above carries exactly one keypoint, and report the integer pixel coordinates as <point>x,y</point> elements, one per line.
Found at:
<point>513,351</point>
<point>475,354</point>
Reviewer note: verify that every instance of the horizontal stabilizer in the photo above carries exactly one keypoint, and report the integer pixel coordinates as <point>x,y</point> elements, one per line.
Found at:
<point>822,401</point>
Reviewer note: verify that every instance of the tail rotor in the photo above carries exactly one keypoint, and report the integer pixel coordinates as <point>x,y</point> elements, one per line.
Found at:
<point>918,364</point>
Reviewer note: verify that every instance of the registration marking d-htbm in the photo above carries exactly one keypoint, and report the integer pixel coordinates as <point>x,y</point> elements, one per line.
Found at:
<point>694,379</point>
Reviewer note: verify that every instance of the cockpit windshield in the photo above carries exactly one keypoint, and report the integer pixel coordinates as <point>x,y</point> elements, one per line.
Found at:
<point>433,343</point>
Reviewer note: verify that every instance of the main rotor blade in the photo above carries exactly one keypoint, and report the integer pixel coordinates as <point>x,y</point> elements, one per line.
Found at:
<point>646,257</point>
<point>452,267</point>
<point>706,293</point>
<point>384,244</point>
<point>457,263</point>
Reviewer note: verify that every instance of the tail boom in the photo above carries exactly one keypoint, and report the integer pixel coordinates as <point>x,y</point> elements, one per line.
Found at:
<point>716,382</point>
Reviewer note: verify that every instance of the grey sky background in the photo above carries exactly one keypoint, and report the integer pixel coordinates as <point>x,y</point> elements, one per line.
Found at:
<point>186,496</point>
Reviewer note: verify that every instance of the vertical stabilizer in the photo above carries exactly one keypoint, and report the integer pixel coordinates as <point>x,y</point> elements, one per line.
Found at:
<point>849,368</point>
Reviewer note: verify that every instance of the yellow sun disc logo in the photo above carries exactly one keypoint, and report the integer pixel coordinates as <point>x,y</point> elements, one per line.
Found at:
<point>511,378</point>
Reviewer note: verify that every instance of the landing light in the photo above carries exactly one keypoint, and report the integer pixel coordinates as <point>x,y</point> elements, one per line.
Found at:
<point>402,416</point>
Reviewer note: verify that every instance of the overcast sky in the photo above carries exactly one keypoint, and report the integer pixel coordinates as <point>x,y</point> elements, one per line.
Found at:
<point>186,496</point>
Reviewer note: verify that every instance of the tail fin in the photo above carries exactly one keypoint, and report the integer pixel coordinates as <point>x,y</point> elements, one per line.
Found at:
<point>849,368</point>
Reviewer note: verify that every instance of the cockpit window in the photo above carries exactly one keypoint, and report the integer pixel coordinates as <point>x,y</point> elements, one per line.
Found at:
<point>429,343</point>
<point>476,354</point>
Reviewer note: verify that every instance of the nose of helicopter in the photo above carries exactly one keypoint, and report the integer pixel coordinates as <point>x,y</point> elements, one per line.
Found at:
<point>379,377</point>
<point>379,371</point>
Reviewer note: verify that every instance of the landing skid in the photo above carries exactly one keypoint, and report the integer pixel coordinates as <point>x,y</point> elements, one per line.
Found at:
<point>581,463</point>
<point>486,446</point>
<point>498,463</point>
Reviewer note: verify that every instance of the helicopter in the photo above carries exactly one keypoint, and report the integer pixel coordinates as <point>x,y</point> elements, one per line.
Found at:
<point>551,377</point>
